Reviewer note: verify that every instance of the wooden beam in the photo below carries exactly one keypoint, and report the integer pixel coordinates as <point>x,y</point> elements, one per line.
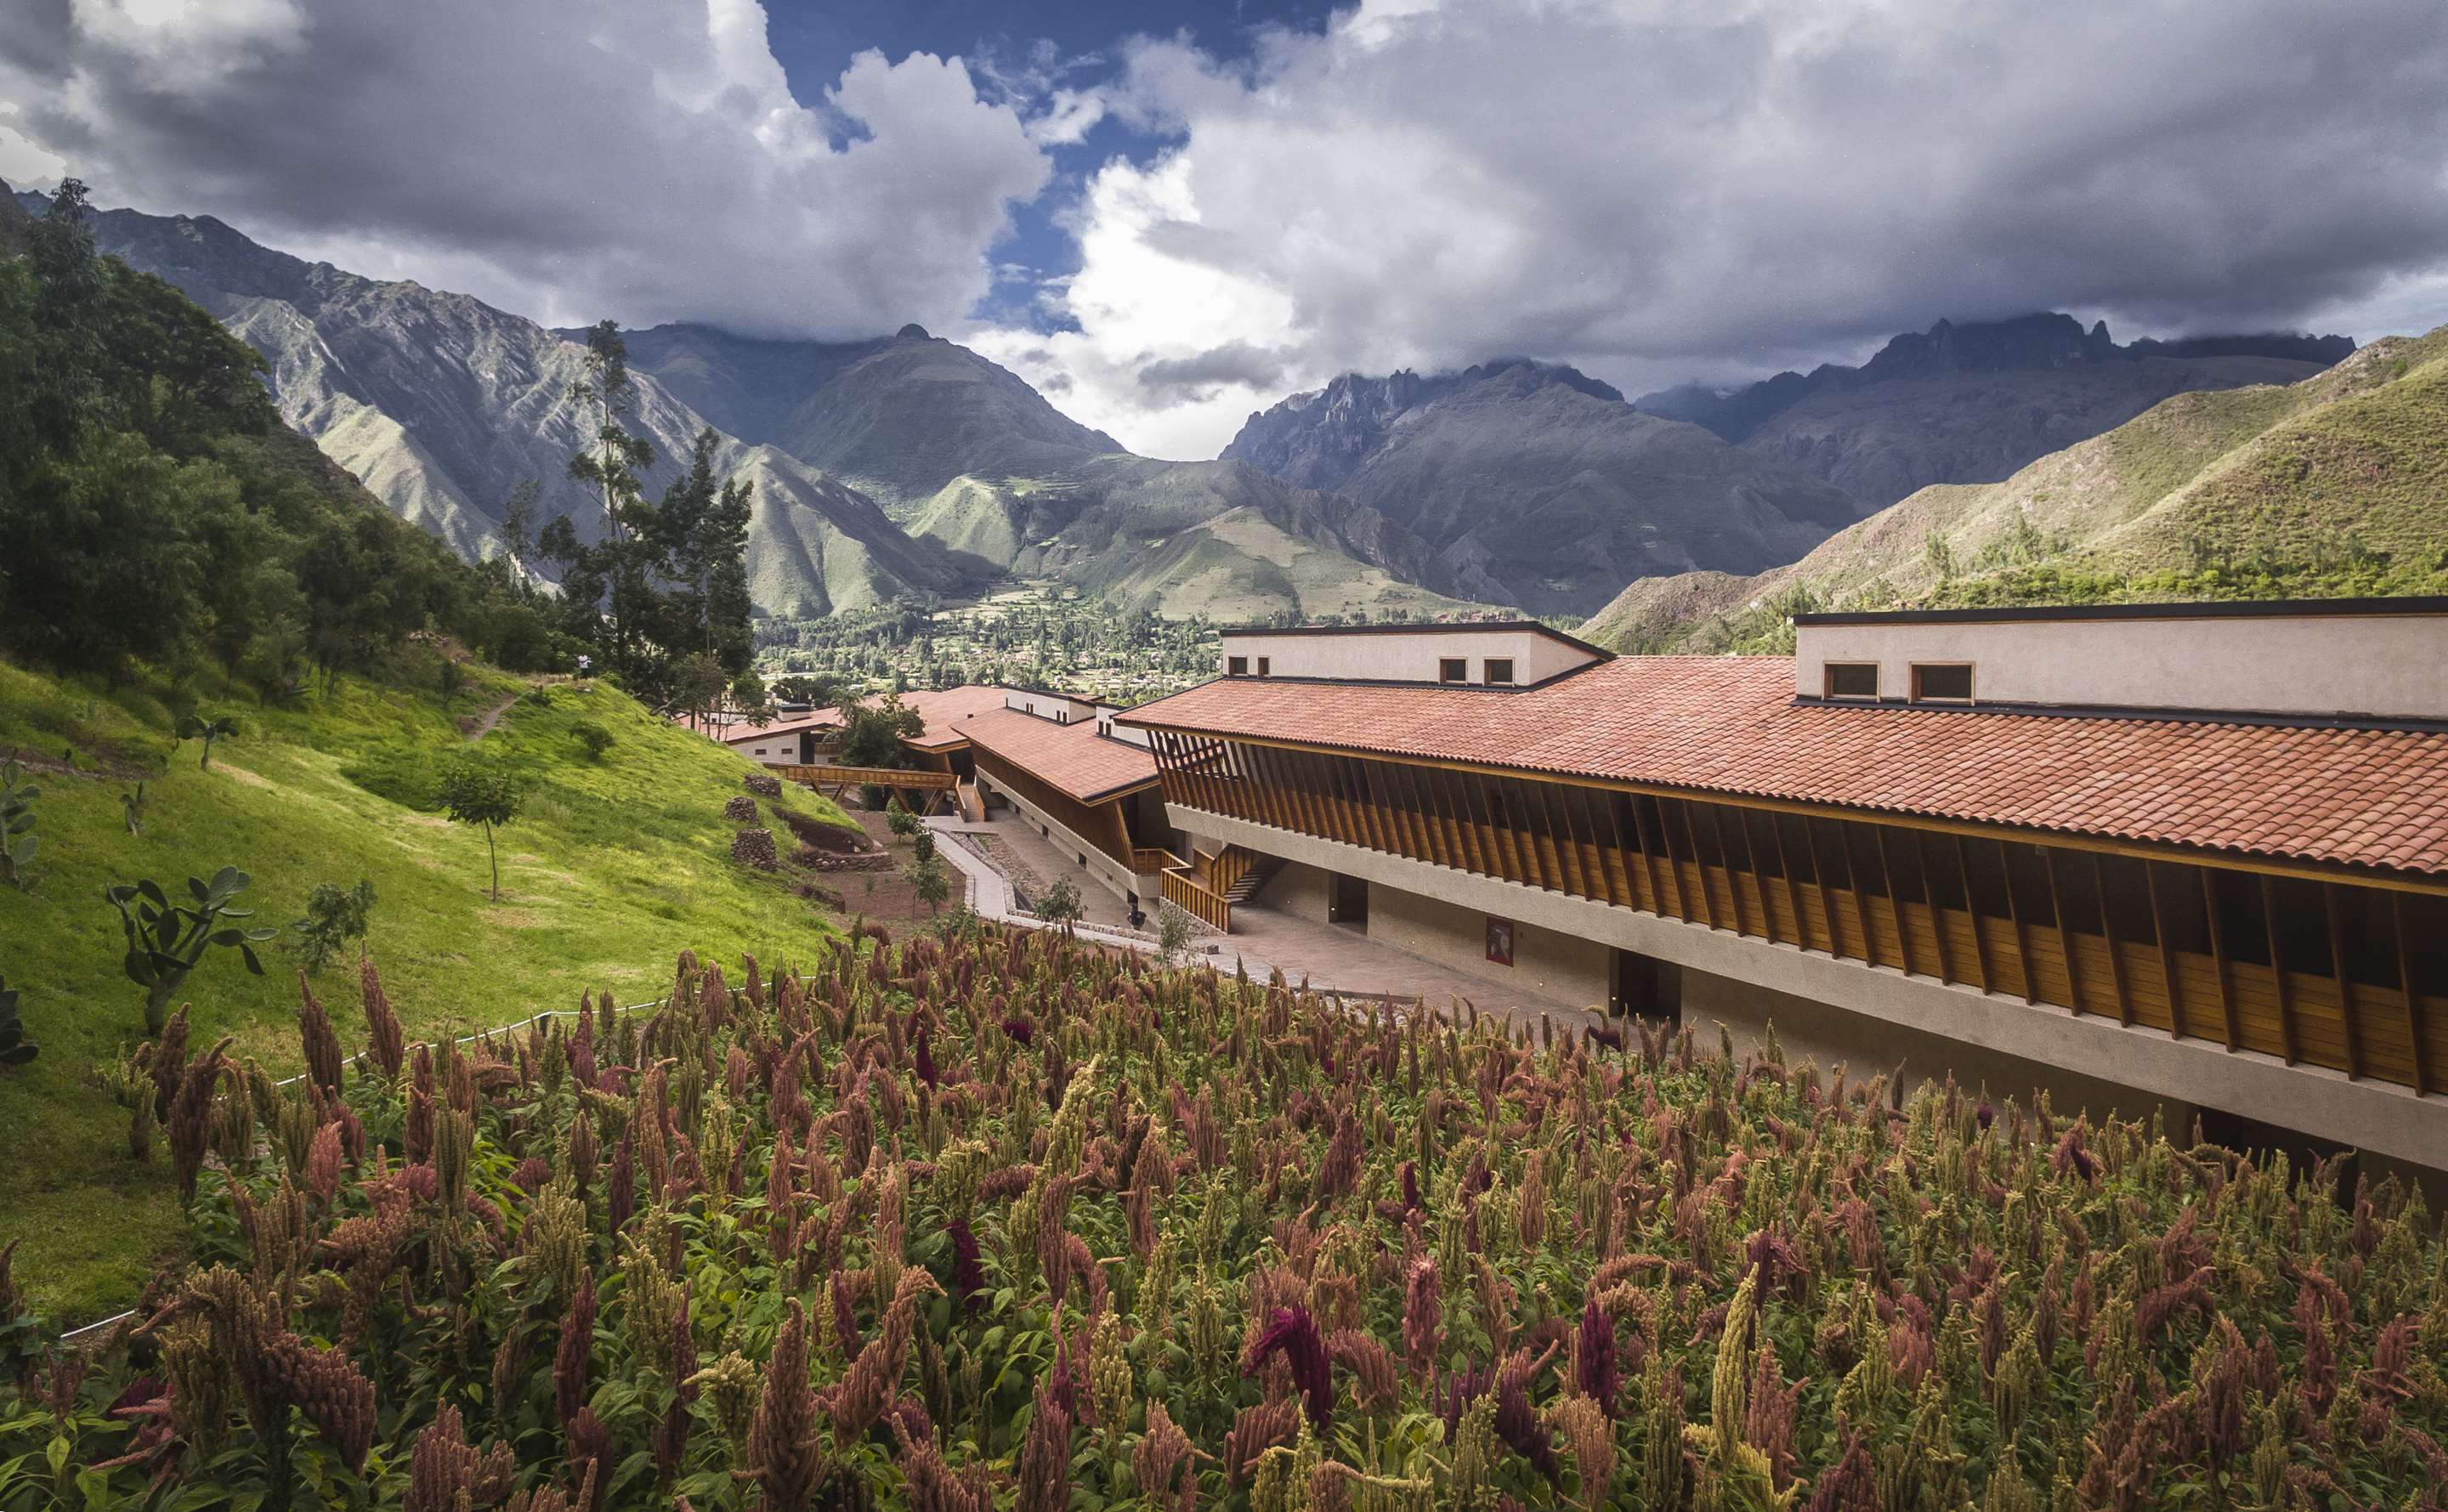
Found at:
<point>1972,912</point>
<point>1726,864</point>
<point>1690,843</point>
<point>1895,903</point>
<point>1750,863</point>
<point>1937,909</point>
<point>1649,854</point>
<point>2014,915</point>
<point>2277,970</point>
<point>1793,887</point>
<point>2218,965</point>
<point>2107,936</point>
<point>2178,1019</point>
<point>2415,1027</point>
<point>2349,1009</point>
<point>2065,935</point>
<point>1819,880</point>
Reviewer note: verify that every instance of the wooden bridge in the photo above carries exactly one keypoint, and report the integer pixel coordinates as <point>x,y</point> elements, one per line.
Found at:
<point>920,791</point>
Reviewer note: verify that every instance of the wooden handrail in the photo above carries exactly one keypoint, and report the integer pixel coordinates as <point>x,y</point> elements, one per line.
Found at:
<point>1149,858</point>
<point>1186,891</point>
<point>878,776</point>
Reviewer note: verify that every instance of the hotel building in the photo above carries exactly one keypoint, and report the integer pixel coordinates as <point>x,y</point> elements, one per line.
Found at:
<point>2192,856</point>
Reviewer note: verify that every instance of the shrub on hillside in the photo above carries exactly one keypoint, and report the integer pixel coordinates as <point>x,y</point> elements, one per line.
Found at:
<point>1000,1219</point>
<point>592,738</point>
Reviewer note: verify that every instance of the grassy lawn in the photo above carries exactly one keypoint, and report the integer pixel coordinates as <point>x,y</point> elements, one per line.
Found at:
<point>614,867</point>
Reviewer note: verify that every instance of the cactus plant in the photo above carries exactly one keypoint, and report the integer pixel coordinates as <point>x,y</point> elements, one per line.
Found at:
<point>166,940</point>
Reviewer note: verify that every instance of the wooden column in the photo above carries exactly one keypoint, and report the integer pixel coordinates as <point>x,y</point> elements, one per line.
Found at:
<point>2218,961</point>
<point>2278,971</point>
<point>1896,900</point>
<point>1937,909</point>
<point>2065,936</point>
<point>2108,937</point>
<point>2333,903</point>
<point>2014,916</point>
<point>2415,1027</point>
<point>2178,1019</point>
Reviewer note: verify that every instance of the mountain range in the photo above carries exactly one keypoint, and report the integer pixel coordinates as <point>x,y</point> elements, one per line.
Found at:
<point>2329,484</point>
<point>1971,403</point>
<point>910,467</point>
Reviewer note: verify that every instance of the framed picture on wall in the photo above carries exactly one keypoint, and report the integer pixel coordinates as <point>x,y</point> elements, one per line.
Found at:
<point>1500,941</point>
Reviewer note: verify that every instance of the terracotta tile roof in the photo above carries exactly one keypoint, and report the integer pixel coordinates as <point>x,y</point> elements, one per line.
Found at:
<point>944,710</point>
<point>1728,724</point>
<point>733,734</point>
<point>1073,758</point>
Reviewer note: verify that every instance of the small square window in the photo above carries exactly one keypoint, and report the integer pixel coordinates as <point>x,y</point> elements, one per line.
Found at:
<point>1264,666</point>
<point>1852,680</point>
<point>1453,669</point>
<point>1237,667</point>
<point>1942,682</point>
<point>1500,669</point>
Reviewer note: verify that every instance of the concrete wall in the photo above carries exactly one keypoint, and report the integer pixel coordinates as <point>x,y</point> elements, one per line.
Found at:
<point>2368,1115</point>
<point>2394,664</point>
<point>1564,967</point>
<point>1109,873</point>
<point>1402,656</point>
<point>1300,891</point>
<point>1869,1047</point>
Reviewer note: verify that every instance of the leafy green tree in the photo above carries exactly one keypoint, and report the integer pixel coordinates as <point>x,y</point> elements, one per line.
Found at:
<point>166,940</point>
<point>899,819</point>
<point>211,731</point>
<point>931,880</point>
<point>1061,903</point>
<point>871,735</point>
<point>477,793</point>
<point>1173,933</point>
<point>334,915</point>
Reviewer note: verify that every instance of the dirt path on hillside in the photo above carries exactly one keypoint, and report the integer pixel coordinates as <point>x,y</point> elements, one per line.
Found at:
<point>485,726</point>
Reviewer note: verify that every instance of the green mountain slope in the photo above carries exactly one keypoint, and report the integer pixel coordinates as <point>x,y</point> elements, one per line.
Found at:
<point>1218,539</point>
<point>614,865</point>
<point>897,418</point>
<point>2328,485</point>
<point>442,405</point>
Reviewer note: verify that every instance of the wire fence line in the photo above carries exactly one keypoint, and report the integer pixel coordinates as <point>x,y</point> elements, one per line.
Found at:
<point>104,1325</point>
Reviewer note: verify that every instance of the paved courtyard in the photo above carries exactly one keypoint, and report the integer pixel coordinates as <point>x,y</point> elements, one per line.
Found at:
<point>1340,957</point>
<point>1006,851</point>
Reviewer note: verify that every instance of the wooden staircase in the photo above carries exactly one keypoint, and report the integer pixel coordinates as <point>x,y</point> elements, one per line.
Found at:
<point>972,803</point>
<point>1246,871</point>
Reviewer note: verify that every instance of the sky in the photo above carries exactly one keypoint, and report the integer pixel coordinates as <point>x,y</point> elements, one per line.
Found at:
<point>1168,215</point>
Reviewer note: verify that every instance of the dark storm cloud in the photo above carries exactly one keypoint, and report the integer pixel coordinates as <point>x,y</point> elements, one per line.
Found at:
<point>1669,185</point>
<point>567,157</point>
<point>1235,362</point>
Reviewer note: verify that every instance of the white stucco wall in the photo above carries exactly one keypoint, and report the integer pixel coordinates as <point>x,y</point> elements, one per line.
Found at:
<point>2387,664</point>
<point>1050,706</point>
<point>1402,656</point>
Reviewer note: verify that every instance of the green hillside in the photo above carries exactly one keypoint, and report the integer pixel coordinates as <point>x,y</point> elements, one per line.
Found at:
<point>615,865</point>
<point>2325,487</point>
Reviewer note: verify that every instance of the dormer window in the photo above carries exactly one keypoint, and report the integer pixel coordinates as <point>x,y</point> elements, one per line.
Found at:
<point>1264,665</point>
<point>1942,682</point>
<point>1499,671</point>
<point>1453,669</point>
<point>1237,667</point>
<point>1852,680</point>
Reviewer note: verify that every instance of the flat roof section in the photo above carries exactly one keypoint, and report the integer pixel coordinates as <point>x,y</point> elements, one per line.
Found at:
<point>2205,610</point>
<point>1436,627</point>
